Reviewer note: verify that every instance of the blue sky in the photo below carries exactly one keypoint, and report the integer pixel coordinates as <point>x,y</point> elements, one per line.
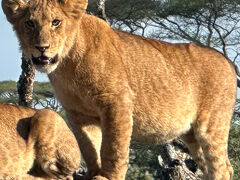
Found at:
<point>10,55</point>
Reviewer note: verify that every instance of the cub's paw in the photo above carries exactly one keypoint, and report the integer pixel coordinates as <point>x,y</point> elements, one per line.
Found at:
<point>99,178</point>
<point>56,170</point>
<point>69,178</point>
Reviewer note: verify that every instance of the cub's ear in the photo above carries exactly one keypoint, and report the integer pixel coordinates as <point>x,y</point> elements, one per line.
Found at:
<point>73,8</point>
<point>13,9</point>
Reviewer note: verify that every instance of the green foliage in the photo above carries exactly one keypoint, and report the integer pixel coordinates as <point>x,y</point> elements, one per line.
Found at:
<point>143,162</point>
<point>139,9</point>
<point>234,146</point>
<point>8,92</point>
<point>7,86</point>
<point>43,89</point>
<point>189,8</point>
<point>123,9</point>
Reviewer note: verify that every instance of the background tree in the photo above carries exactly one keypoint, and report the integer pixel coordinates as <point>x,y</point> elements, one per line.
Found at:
<point>100,6</point>
<point>25,83</point>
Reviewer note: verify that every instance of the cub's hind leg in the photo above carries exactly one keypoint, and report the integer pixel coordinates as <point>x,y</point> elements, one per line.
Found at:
<point>57,152</point>
<point>195,150</point>
<point>212,132</point>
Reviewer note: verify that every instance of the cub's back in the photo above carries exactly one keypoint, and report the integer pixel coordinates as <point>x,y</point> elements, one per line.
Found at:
<point>14,128</point>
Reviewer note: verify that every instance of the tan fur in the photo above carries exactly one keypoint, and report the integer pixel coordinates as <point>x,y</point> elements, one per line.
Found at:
<point>115,87</point>
<point>35,144</point>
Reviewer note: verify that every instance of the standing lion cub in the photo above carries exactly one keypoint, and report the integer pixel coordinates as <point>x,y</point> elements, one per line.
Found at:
<point>116,86</point>
<point>35,144</point>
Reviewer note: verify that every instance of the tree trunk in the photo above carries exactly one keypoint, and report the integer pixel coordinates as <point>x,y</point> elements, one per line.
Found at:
<point>25,83</point>
<point>176,159</point>
<point>238,74</point>
<point>101,10</point>
<point>161,162</point>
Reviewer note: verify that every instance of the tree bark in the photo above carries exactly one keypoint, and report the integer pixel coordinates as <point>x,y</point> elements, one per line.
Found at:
<point>162,162</point>
<point>178,162</point>
<point>238,74</point>
<point>101,10</point>
<point>25,83</point>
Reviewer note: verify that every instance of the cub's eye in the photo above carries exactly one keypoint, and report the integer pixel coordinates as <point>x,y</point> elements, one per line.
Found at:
<point>29,23</point>
<point>56,22</point>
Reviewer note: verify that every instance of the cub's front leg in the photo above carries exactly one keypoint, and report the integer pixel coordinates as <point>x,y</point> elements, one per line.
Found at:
<point>104,141</point>
<point>116,124</point>
<point>89,136</point>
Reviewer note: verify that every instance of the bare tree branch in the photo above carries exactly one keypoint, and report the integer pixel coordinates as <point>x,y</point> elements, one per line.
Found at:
<point>101,8</point>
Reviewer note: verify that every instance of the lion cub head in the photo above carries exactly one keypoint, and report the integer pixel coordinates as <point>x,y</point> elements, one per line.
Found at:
<point>46,28</point>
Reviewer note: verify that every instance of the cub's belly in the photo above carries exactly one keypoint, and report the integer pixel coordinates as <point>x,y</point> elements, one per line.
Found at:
<point>160,130</point>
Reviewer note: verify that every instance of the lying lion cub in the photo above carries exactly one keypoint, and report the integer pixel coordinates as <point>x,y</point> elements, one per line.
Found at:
<point>35,144</point>
<point>116,86</point>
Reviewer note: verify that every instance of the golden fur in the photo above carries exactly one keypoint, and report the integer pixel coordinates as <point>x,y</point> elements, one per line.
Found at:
<point>116,87</point>
<point>35,144</point>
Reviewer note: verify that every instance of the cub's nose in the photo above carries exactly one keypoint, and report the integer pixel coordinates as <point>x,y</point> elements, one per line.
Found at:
<point>42,48</point>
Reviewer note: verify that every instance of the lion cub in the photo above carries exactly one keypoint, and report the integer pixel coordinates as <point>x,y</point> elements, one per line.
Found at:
<point>35,144</point>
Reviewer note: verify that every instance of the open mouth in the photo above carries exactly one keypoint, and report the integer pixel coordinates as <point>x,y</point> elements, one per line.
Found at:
<point>43,60</point>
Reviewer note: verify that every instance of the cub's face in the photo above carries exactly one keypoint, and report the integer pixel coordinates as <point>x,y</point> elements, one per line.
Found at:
<point>46,28</point>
